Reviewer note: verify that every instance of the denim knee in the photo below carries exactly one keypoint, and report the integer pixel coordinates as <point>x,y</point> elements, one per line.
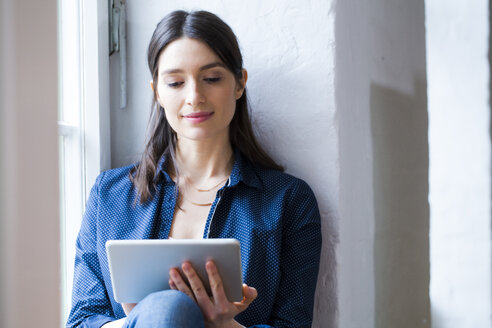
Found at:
<point>169,308</point>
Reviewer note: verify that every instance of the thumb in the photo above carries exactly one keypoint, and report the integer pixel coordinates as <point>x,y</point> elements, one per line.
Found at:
<point>249,293</point>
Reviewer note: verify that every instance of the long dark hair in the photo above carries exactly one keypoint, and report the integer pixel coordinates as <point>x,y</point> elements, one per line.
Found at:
<point>161,139</point>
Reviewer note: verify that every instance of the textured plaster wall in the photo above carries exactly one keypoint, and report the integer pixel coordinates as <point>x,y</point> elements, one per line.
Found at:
<point>460,176</point>
<point>338,95</point>
<point>383,262</point>
<point>29,220</point>
<point>288,50</point>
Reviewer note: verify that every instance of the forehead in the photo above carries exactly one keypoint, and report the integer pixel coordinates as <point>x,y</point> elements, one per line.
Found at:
<point>186,54</point>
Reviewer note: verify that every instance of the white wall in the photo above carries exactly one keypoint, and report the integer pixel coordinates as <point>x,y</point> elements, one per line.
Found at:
<point>289,52</point>
<point>29,226</point>
<point>383,262</point>
<point>338,97</point>
<point>460,173</point>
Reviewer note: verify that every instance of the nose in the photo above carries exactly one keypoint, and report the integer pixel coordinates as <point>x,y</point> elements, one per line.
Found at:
<point>194,94</point>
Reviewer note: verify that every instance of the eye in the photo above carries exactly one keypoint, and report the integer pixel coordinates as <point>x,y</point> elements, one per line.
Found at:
<point>174,84</point>
<point>212,79</point>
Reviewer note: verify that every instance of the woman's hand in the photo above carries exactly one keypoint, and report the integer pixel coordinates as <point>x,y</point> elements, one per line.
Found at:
<point>217,310</point>
<point>128,307</point>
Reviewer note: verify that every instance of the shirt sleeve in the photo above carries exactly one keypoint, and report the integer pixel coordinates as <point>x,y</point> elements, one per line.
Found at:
<point>90,303</point>
<point>300,256</point>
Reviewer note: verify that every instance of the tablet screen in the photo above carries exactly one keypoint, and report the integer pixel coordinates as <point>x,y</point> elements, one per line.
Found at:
<point>141,267</point>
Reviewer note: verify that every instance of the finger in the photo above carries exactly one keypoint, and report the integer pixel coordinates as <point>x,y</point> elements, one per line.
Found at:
<point>180,284</point>
<point>172,285</point>
<point>197,287</point>
<point>249,295</point>
<point>216,285</point>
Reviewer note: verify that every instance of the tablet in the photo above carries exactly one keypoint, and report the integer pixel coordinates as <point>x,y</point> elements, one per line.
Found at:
<point>140,267</point>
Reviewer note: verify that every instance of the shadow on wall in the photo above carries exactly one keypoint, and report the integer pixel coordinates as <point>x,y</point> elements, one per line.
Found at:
<point>399,126</point>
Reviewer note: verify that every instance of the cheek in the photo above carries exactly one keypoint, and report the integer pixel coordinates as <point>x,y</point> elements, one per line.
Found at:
<point>167,101</point>
<point>227,102</point>
<point>231,110</point>
<point>170,109</point>
<point>230,99</point>
<point>171,117</point>
<point>233,106</point>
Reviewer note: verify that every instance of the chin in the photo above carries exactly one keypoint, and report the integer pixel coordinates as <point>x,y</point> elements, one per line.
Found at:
<point>196,136</point>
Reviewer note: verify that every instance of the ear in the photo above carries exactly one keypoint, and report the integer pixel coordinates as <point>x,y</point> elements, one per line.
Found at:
<point>241,84</point>
<point>152,85</point>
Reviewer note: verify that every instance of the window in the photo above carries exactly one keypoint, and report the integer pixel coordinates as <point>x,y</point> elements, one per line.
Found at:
<point>70,141</point>
<point>83,118</point>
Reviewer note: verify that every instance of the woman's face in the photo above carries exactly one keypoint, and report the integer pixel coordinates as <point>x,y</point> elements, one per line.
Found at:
<point>196,90</point>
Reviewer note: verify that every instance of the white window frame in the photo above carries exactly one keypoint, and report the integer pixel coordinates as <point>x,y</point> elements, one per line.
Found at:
<point>84,126</point>
<point>96,95</point>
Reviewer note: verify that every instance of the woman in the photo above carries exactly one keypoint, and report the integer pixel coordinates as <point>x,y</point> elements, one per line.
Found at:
<point>202,175</point>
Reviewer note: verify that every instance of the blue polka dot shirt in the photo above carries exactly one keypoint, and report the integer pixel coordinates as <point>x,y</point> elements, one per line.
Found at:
<point>274,216</point>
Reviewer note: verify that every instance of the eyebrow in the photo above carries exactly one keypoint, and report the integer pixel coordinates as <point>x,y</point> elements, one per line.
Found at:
<point>203,68</point>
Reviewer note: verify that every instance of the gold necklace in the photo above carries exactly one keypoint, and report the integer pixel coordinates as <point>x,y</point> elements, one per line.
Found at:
<point>204,190</point>
<point>210,189</point>
<point>200,204</point>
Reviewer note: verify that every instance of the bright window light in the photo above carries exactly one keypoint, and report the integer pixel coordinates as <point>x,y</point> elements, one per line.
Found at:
<point>70,142</point>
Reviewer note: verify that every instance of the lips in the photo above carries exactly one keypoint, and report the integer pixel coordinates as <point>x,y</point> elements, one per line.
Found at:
<point>198,117</point>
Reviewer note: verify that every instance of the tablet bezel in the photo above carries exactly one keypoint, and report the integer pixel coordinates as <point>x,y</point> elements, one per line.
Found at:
<point>140,267</point>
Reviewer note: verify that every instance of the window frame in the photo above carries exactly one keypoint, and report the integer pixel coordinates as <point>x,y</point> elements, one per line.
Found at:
<point>84,119</point>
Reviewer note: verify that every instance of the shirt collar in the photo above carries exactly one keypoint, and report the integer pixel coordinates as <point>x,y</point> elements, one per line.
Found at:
<point>242,171</point>
<point>161,170</point>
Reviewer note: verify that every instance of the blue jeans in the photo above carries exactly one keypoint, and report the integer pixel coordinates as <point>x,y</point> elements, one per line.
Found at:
<point>168,308</point>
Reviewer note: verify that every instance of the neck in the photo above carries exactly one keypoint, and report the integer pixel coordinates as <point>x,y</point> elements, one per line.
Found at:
<point>200,161</point>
